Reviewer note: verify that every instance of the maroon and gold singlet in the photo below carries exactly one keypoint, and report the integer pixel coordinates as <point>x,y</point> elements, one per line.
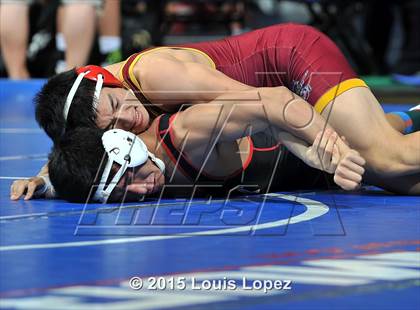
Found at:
<point>296,56</point>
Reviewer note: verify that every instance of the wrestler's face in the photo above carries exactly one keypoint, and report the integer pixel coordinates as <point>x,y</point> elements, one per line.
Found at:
<point>119,108</point>
<point>145,179</point>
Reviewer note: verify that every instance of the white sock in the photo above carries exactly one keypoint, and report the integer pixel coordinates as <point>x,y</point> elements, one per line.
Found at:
<point>60,43</point>
<point>109,44</point>
<point>60,66</point>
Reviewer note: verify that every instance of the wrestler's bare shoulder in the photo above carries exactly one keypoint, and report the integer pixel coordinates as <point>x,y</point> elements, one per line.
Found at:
<point>160,58</point>
<point>179,54</point>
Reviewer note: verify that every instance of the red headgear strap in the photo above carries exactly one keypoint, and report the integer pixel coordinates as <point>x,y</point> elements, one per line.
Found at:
<point>101,76</point>
<point>109,79</point>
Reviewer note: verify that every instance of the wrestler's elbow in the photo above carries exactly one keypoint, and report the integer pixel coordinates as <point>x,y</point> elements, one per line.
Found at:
<point>280,93</point>
<point>275,101</point>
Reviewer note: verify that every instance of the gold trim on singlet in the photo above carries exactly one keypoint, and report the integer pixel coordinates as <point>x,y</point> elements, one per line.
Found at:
<point>120,75</point>
<point>141,54</point>
<point>333,92</point>
<point>211,61</point>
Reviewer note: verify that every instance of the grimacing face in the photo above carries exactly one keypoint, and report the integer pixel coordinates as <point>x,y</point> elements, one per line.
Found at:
<point>119,108</point>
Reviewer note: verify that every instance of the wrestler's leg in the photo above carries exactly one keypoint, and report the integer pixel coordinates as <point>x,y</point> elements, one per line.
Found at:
<point>109,32</point>
<point>408,184</point>
<point>405,122</point>
<point>357,115</point>
<point>396,122</point>
<point>314,67</point>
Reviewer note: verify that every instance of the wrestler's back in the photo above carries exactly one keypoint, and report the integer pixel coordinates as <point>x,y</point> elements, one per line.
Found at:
<point>298,57</point>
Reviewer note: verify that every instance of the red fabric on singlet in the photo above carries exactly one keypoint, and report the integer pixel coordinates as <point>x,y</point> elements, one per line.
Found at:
<point>296,56</point>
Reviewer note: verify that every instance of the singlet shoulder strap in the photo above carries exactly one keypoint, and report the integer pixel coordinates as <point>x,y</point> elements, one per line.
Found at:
<point>176,156</point>
<point>130,81</point>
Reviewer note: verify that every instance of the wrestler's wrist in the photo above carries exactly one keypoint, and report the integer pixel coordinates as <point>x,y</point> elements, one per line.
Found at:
<point>46,188</point>
<point>343,148</point>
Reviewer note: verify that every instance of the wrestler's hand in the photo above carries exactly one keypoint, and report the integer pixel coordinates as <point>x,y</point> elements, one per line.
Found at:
<point>324,154</point>
<point>349,172</point>
<point>26,187</point>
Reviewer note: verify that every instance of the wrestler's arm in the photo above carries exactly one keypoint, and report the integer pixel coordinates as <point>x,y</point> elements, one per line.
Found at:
<point>233,113</point>
<point>166,77</point>
<point>169,81</point>
<point>309,154</point>
<point>232,116</point>
<point>35,187</point>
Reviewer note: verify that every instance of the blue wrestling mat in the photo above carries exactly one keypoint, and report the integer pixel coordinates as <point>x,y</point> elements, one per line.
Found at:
<point>296,250</point>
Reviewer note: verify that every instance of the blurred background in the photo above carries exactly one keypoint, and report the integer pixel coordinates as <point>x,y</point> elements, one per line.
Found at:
<point>39,38</point>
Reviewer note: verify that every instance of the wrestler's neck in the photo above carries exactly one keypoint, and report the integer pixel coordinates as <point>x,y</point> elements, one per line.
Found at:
<point>151,140</point>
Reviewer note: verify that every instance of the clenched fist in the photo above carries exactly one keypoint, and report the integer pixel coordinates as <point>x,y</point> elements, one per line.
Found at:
<point>349,172</point>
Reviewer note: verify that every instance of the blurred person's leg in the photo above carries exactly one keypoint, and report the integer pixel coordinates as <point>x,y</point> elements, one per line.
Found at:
<point>14,32</point>
<point>110,32</point>
<point>407,68</point>
<point>77,22</point>
<point>237,16</point>
<point>378,25</point>
<point>60,43</point>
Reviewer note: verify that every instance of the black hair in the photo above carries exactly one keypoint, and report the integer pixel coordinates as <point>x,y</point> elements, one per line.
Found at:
<point>50,103</point>
<point>76,164</point>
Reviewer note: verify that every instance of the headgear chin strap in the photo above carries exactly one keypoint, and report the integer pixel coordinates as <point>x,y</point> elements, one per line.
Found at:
<point>127,150</point>
<point>94,73</point>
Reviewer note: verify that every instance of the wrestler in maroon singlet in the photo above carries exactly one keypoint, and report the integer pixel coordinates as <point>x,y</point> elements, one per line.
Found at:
<point>296,56</point>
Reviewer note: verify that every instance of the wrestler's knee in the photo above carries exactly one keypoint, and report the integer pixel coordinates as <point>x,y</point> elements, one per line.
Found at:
<point>403,185</point>
<point>383,163</point>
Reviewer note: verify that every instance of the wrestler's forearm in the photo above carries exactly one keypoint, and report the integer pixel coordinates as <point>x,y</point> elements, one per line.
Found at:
<point>43,171</point>
<point>235,115</point>
<point>319,155</point>
<point>295,145</point>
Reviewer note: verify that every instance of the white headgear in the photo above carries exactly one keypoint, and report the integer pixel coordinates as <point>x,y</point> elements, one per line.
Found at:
<point>100,75</point>
<point>74,88</point>
<point>127,150</point>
